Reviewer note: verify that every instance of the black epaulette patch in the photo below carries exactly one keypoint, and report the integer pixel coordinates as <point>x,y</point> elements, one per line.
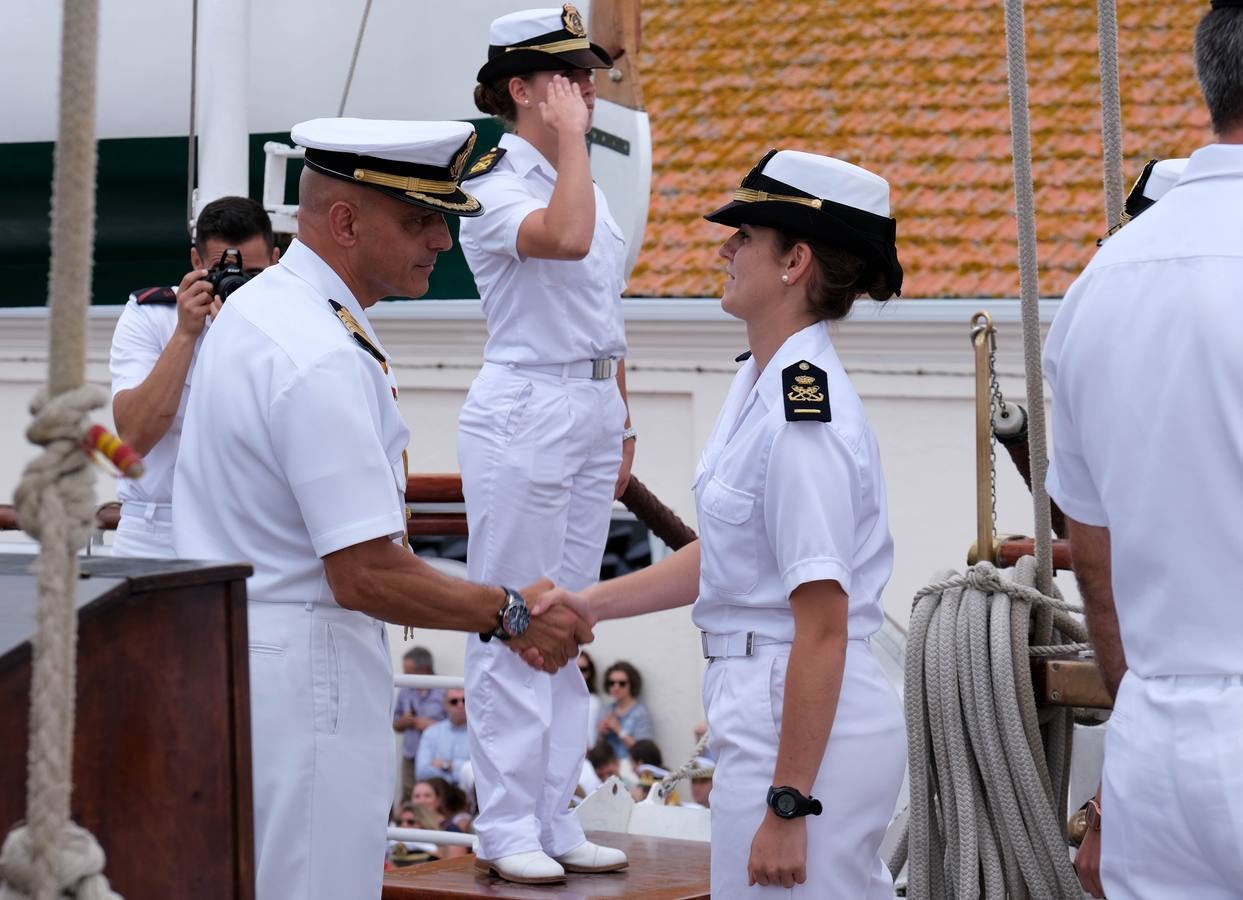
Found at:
<point>743,356</point>
<point>484,164</point>
<point>352,326</point>
<point>155,295</point>
<point>806,392</point>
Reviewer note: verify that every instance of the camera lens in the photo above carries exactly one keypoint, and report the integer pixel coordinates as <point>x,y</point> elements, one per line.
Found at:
<point>230,282</point>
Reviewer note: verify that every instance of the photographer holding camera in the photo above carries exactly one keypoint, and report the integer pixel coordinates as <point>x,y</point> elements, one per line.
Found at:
<point>153,351</point>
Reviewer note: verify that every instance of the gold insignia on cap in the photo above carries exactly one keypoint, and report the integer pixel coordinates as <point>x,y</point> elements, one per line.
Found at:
<point>459,158</point>
<point>749,195</point>
<point>572,21</point>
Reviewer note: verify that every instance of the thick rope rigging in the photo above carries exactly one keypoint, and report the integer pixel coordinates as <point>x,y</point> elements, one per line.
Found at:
<point>1029,289</point>
<point>986,798</point>
<point>50,857</point>
<point>1111,110</point>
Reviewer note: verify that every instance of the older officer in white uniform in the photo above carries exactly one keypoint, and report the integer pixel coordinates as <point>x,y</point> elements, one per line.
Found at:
<point>541,435</point>
<point>152,360</point>
<point>293,457</point>
<point>1144,363</point>
<point>794,549</point>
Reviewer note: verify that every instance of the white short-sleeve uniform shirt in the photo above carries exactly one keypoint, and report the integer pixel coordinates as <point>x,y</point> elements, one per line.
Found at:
<point>1145,361</point>
<point>292,446</point>
<point>541,311</point>
<point>783,503</point>
<point>143,331</point>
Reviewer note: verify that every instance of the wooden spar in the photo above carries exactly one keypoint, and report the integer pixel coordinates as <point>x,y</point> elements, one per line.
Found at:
<point>616,26</point>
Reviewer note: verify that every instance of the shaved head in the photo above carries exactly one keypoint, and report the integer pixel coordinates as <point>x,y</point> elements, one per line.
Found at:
<point>379,245</point>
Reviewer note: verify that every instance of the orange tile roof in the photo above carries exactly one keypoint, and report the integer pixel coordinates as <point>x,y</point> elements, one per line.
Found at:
<point>915,90</point>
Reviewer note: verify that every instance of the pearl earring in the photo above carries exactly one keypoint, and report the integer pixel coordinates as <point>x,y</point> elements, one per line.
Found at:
<point>785,279</point>
<point>526,102</point>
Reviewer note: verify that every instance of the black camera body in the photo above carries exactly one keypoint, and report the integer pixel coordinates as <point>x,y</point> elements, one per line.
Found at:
<point>227,275</point>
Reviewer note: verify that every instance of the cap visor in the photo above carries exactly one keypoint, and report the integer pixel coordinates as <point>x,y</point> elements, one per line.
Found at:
<point>525,62</point>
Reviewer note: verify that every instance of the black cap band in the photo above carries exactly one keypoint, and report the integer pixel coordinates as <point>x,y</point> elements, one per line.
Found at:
<point>1227,4</point>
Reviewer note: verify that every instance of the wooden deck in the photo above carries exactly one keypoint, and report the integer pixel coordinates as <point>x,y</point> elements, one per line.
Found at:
<point>660,869</point>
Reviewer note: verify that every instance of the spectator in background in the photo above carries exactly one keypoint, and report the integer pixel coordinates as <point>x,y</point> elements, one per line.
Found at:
<point>407,853</point>
<point>702,771</point>
<point>603,760</point>
<point>417,710</point>
<point>445,746</point>
<point>699,731</point>
<point>595,706</point>
<point>627,720</point>
<point>447,803</point>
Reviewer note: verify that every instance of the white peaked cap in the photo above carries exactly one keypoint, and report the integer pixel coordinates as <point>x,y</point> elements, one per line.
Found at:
<point>831,179</point>
<point>525,24</point>
<point>421,143</point>
<point>1164,175</point>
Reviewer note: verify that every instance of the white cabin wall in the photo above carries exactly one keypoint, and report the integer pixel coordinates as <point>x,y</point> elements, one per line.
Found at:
<point>910,362</point>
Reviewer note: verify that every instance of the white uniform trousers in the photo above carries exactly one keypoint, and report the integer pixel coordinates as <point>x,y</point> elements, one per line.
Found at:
<point>858,782</point>
<point>321,699</point>
<point>1172,801</point>
<point>145,531</point>
<point>539,456</point>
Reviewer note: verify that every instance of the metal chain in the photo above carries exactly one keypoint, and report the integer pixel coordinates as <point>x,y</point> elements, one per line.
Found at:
<point>998,409</point>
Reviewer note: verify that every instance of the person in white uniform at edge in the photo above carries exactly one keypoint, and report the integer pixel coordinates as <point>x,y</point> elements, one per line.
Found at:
<point>542,443</point>
<point>794,549</point>
<point>293,457</point>
<point>152,360</point>
<point>1146,377</point>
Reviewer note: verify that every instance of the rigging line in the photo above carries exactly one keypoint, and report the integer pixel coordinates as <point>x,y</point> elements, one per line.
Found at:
<point>1029,290</point>
<point>192,162</point>
<point>1111,110</point>
<point>358,44</point>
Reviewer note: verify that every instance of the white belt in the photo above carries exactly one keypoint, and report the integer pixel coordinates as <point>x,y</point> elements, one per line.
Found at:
<point>739,643</point>
<point>595,369</point>
<point>148,512</point>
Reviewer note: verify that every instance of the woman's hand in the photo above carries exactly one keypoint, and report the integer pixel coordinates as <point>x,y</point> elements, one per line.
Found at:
<point>778,852</point>
<point>564,110</point>
<point>623,472</point>
<point>1088,858</point>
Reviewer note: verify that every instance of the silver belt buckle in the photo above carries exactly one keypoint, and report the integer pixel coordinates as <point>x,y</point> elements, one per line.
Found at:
<point>601,368</point>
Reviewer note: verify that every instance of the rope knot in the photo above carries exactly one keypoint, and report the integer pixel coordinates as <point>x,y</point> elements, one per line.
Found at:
<point>56,495</point>
<point>77,862</point>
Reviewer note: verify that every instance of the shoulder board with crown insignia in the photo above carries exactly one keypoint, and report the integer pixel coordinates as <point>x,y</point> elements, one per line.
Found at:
<point>484,164</point>
<point>352,326</point>
<point>155,295</point>
<point>805,389</point>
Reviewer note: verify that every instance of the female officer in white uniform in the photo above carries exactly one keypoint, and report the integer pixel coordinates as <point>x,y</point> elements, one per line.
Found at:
<point>541,433</point>
<point>794,549</point>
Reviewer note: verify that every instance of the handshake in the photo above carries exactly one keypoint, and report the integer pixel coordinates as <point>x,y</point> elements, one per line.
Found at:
<point>560,622</point>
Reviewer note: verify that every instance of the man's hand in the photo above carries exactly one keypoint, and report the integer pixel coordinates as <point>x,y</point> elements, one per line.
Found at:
<point>195,302</point>
<point>560,621</point>
<point>623,473</point>
<point>778,852</point>
<point>1088,859</point>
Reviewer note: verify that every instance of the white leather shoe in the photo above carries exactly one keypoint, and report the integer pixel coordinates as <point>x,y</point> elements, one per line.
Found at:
<point>534,867</point>
<point>590,858</point>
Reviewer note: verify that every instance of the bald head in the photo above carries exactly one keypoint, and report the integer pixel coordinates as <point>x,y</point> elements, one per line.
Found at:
<point>380,246</point>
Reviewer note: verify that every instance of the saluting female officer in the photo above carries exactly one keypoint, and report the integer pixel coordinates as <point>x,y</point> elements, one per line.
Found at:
<point>541,435</point>
<point>794,548</point>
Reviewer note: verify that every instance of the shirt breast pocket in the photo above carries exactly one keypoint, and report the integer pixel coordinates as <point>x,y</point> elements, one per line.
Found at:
<point>728,537</point>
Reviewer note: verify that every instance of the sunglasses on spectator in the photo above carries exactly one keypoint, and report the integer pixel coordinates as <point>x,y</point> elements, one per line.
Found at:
<point>454,701</point>
<point>618,682</point>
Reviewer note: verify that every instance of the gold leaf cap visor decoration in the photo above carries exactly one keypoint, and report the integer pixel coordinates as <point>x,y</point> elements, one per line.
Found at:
<point>540,40</point>
<point>420,163</point>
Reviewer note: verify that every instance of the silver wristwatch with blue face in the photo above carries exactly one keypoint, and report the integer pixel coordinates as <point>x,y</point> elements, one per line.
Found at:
<point>512,620</point>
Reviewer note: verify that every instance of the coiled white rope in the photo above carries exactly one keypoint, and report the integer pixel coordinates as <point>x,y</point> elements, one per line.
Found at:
<point>51,857</point>
<point>986,800</point>
<point>670,781</point>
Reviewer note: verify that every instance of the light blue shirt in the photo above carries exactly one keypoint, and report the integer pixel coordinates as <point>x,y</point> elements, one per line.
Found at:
<point>446,742</point>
